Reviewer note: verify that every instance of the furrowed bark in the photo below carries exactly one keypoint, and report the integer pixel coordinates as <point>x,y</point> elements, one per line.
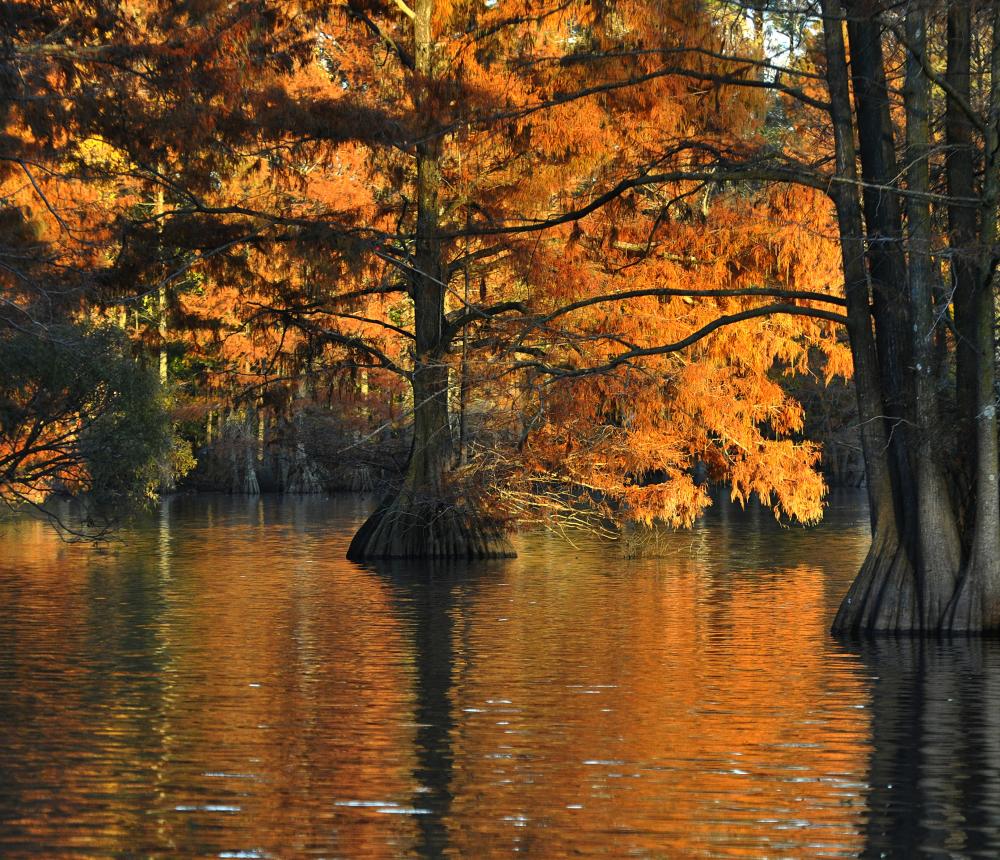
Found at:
<point>887,264</point>
<point>882,589</point>
<point>938,555</point>
<point>962,216</point>
<point>976,607</point>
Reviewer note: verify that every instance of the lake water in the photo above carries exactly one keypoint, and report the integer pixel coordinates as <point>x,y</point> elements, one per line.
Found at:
<point>226,684</point>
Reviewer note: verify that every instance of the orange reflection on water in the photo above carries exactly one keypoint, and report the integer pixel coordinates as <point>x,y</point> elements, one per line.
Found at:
<point>225,684</point>
<point>688,716</point>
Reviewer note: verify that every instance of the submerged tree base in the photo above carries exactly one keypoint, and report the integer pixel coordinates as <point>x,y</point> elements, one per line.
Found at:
<point>881,598</point>
<point>885,598</point>
<point>409,527</point>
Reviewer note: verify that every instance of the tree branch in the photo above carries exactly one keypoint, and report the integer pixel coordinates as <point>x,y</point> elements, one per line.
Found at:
<point>729,319</point>
<point>363,346</point>
<point>404,57</point>
<point>471,313</point>
<point>667,292</point>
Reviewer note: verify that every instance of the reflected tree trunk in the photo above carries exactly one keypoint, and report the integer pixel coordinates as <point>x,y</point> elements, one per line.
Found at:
<point>426,598</point>
<point>433,631</point>
<point>934,774</point>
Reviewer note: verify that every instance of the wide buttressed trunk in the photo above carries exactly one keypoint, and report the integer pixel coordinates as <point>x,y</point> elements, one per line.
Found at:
<point>923,573</point>
<point>976,605</point>
<point>883,588</point>
<point>427,518</point>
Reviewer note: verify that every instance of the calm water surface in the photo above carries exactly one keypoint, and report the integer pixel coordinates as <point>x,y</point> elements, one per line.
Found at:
<point>225,684</point>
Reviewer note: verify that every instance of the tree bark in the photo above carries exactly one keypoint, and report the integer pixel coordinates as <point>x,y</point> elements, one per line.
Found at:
<point>886,260</point>
<point>938,550</point>
<point>962,216</point>
<point>976,606</point>
<point>919,576</point>
<point>161,306</point>
<point>882,590</point>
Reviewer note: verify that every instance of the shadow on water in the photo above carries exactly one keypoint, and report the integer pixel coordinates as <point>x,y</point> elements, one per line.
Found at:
<point>934,775</point>
<point>428,597</point>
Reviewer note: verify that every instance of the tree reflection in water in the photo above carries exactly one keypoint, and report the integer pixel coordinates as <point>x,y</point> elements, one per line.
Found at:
<point>935,755</point>
<point>226,682</point>
<point>428,596</point>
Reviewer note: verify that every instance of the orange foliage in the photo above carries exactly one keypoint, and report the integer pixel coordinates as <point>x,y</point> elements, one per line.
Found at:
<point>282,142</point>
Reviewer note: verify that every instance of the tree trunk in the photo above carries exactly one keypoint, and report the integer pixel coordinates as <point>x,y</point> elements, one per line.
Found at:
<point>880,592</point>
<point>161,306</point>
<point>962,218</point>
<point>938,550</point>
<point>886,260</point>
<point>919,576</point>
<point>976,606</point>
<point>425,519</point>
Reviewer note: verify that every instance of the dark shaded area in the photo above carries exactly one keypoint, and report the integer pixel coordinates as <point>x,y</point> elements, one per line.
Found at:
<point>934,777</point>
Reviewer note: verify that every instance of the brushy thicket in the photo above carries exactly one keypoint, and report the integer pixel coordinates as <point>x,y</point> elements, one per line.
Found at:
<point>80,415</point>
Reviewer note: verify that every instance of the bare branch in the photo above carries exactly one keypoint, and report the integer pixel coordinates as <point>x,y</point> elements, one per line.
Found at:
<point>769,292</point>
<point>471,313</point>
<point>357,12</point>
<point>362,345</point>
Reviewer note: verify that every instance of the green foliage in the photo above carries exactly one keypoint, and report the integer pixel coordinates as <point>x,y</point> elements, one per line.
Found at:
<point>180,457</point>
<point>79,415</point>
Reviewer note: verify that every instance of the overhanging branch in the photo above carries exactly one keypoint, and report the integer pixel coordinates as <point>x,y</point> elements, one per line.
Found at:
<point>646,352</point>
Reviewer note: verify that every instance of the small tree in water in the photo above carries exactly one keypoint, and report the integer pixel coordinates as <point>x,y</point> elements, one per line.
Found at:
<point>491,202</point>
